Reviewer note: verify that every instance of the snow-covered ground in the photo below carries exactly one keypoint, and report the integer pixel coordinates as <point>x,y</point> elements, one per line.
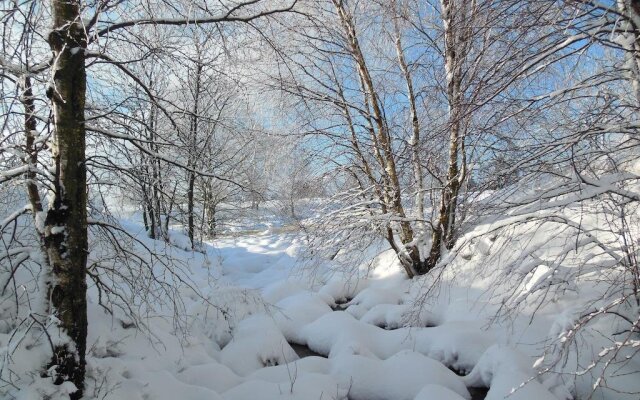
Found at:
<point>255,319</point>
<point>358,334</point>
<point>247,354</point>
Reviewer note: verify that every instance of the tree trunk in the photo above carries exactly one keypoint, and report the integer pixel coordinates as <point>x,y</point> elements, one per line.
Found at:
<point>190,212</point>
<point>167,218</point>
<point>414,142</point>
<point>192,156</point>
<point>66,220</point>
<point>144,219</point>
<point>156,187</point>
<point>152,220</point>
<point>455,36</point>
<point>211,218</point>
<point>409,256</point>
<point>417,258</point>
<point>31,153</point>
<point>31,159</point>
<point>631,10</point>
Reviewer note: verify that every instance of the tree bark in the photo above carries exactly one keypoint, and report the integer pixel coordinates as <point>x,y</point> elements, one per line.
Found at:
<point>631,10</point>
<point>31,153</point>
<point>190,209</point>
<point>454,15</point>
<point>66,219</point>
<point>414,142</point>
<point>409,256</point>
<point>192,156</point>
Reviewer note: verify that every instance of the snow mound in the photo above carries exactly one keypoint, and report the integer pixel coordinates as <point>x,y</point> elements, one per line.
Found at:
<point>389,316</point>
<point>371,297</point>
<point>298,310</point>
<point>214,376</point>
<point>341,290</point>
<point>280,290</point>
<point>437,392</point>
<point>459,345</point>
<point>401,377</point>
<point>221,312</point>
<point>304,387</point>
<point>282,373</point>
<point>340,333</point>
<point>257,342</point>
<point>508,374</point>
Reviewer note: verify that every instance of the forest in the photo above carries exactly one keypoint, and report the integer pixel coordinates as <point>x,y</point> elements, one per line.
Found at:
<point>320,199</point>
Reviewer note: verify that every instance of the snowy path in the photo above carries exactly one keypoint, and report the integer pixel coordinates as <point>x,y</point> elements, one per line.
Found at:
<point>248,355</point>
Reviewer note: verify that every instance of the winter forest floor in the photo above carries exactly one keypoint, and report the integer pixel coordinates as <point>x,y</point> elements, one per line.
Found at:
<point>266,325</point>
<point>290,338</point>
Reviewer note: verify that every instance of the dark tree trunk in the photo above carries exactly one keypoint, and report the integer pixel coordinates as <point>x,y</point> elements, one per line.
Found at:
<point>66,220</point>
<point>152,221</point>
<point>167,217</point>
<point>31,153</point>
<point>192,157</point>
<point>212,222</point>
<point>144,219</point>
<point>156,187</point>
<point>159,204</point>
<point>190,209</point>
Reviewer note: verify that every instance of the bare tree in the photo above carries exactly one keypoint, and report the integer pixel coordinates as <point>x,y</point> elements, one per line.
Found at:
<point>82,33</point>
<point>396,133</point>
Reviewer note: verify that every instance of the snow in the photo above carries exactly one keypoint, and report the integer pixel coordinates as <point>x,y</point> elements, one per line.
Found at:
<point>213,376</point>
<point>430,392</point>
<point>508,374</point>
<point>255,304</point>
<point>298,310</point>
<point>401,376</point>
<point>250,298</point>
<point>308,386</point>
<point>257,343</point>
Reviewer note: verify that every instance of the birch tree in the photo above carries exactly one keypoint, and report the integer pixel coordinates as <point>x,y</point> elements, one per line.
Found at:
<point>395,130</point>
<point>65,235</point>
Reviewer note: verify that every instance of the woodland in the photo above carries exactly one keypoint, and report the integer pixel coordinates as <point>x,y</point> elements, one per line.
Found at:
<point>320,199</point>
